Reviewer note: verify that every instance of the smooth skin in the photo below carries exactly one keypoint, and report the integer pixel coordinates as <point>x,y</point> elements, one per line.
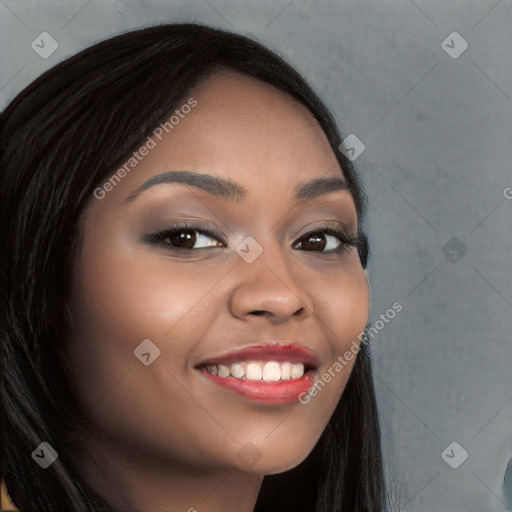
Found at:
<point>162,437</point>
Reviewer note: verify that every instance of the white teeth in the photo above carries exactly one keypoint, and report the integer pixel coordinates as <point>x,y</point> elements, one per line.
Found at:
<point>253,371</point>
<point>296,370</point>
<point>285,371</point>
<point>223,371</point>
<point>272,371</point>
<point>237,370</point>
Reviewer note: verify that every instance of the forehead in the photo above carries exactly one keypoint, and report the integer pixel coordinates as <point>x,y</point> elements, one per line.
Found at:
<point>249,117</point>
<point>242,130</point>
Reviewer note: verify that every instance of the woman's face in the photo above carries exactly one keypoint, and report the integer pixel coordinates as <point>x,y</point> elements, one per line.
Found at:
<point>218,294</point>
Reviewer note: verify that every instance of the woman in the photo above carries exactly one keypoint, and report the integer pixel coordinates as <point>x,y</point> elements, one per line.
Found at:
<point>184,285</point>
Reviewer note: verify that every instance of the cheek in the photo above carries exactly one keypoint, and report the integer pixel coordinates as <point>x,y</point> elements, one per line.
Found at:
<point>342,303</point>
<point>350,309</point>
<point>343,307</point>
<point>117,303</point>
<point>122,295</point>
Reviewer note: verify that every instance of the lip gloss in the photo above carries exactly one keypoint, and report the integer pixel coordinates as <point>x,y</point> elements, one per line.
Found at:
<point>267,392</point>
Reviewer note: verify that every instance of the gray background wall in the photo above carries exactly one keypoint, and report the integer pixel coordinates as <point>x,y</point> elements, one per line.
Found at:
<point>437,132</point>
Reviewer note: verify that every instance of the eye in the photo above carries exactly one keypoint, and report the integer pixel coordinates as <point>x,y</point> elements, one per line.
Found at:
<point>327,240</point>
<point>185,238</point>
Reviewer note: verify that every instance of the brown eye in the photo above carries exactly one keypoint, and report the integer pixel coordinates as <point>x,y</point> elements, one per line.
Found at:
<point>327,241</point>
<point>185,238</point>
<point>314,242</point>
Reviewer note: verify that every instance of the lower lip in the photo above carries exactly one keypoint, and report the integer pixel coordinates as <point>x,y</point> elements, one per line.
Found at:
<point>266,392</point>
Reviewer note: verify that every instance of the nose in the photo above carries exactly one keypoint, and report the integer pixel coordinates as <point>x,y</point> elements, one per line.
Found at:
<point>267,287</point>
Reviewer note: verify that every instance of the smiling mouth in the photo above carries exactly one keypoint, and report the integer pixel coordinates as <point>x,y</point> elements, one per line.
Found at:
<point>269,374</point>
<point>263,382</point>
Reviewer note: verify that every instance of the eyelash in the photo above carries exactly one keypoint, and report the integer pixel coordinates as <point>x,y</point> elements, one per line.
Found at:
<point>158,238</point>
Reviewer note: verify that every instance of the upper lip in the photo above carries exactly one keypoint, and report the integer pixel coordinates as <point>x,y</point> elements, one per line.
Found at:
<point>270,351</point>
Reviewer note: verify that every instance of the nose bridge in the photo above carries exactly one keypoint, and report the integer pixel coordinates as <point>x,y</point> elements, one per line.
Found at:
<point>267,283</point>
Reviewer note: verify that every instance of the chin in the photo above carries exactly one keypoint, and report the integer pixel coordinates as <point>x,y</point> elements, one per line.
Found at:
<point>270,460</point>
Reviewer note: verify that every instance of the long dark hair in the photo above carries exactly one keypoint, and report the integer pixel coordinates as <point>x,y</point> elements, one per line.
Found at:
<point>60,138</point>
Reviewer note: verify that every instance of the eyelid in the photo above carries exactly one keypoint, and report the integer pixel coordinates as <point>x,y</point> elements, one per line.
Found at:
<point>333,225</point>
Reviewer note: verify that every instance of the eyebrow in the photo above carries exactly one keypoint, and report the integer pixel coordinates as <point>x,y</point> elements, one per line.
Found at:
<point>230,190</point>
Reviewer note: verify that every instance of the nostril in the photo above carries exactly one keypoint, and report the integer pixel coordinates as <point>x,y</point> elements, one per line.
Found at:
<point>258,312</point>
